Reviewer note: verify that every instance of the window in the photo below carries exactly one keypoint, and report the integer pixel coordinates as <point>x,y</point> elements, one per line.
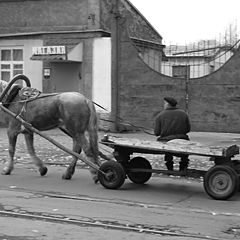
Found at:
<point>11,63</point>
<point>180,71</point>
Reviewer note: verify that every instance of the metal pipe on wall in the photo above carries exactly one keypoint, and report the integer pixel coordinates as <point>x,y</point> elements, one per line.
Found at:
<point>115,65</point>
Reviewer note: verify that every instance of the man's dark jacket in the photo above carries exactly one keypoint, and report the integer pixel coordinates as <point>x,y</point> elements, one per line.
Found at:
<point>172,123</point>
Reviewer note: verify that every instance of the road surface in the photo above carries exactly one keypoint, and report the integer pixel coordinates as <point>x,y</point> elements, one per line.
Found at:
<point>34,207</point>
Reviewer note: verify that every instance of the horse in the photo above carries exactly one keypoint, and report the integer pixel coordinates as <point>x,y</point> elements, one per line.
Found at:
<point>72,112</point>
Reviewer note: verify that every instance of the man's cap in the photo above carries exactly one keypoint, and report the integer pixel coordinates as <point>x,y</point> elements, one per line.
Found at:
<point>171,101</point>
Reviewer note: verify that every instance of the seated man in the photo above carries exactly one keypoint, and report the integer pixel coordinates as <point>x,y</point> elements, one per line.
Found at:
<point>172,123</point>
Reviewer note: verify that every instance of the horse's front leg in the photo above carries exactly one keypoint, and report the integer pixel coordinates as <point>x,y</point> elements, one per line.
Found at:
<point>12,138</point>
<point>38,162</point>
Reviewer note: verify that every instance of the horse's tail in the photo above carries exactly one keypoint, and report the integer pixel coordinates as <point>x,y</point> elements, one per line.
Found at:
<point>93,132</point>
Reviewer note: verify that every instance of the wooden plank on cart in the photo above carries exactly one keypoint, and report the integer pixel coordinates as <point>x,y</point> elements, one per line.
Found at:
<point>177,146</point>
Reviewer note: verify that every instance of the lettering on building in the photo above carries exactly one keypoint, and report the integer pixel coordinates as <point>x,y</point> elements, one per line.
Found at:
<point>49,50</point>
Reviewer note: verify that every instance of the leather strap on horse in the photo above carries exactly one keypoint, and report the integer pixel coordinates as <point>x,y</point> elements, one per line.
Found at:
<point>12,94</point>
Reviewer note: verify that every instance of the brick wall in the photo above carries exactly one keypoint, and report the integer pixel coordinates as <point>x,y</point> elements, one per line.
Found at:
<point>47,15</point>
<point>215,99</point>
<point>138,26</point>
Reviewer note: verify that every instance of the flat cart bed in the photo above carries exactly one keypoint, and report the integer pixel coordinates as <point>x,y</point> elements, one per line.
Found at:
<point>176,146</point>
<point>220,182</point>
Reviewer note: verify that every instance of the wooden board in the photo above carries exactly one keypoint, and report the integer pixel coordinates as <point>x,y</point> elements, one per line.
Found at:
<point>177,146</point>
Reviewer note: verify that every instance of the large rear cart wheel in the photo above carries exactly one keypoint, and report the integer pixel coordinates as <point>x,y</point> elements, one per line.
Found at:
<point>114,176</point>
<point>139,177</point>
<point>236,166</point>
<point>221,182</point>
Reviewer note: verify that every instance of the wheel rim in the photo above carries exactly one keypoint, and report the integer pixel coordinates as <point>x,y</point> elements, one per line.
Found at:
<point>221,183</point>
<point>112,175</point>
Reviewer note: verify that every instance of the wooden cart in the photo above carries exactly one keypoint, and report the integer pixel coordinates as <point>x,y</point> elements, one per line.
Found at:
<point>220,182</point>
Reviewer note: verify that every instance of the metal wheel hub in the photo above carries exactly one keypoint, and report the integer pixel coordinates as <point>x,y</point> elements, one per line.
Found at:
<point>110,175</point>
<point>221,182</point>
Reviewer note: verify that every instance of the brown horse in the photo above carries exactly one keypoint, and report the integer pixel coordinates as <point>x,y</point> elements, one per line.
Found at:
<point>69,111</point>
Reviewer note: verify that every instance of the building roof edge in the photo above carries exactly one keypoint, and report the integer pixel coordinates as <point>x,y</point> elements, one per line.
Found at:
<point>52,32</point>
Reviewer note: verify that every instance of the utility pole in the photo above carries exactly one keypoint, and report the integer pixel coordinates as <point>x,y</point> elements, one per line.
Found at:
<point>115,45</point>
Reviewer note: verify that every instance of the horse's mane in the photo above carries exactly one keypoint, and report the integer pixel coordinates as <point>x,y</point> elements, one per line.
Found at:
<point>3,85</point>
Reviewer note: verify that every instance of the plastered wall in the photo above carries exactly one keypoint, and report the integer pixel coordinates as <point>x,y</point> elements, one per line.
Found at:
<point>214,100</point>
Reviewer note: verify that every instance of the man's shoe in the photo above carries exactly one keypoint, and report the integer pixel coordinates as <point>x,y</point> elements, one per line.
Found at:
<point>183,167</point>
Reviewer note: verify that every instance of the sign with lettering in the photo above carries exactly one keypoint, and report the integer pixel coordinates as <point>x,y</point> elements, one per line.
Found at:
<point>49,50</point>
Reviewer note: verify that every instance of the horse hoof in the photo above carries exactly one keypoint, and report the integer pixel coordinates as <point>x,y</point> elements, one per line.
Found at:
<point>66,176</point>
<point>95,179</point>
<point>43,171</point>
<point>6,171</point>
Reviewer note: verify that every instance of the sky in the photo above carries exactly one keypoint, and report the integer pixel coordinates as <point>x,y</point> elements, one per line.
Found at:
<point>186,21</point>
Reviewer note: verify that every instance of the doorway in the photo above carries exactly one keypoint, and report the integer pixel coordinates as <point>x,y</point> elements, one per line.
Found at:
<point>65,76</point>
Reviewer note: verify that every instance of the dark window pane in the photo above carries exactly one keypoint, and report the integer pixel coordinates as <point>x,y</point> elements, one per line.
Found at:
<point>17,66</point>
<point>5,76</point>
<point>17,54</point>
<point>6,55</point>
<point>15,72</point>
<point>5,66</point>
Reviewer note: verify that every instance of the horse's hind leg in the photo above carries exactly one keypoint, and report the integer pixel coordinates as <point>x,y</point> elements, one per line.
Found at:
<point>29,141</point>
<point>90,155</point>
<point>12,138</point>
<point>71,168</point>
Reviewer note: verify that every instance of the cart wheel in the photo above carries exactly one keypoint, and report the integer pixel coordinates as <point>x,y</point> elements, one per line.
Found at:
<point>139,177</point>
<point>221,182</point>
<point>236,166</point>
<point>114,176</point>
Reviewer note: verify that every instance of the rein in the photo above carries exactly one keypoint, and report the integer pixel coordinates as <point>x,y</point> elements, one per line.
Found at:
<point>30,99</point>
<point>30,94</point>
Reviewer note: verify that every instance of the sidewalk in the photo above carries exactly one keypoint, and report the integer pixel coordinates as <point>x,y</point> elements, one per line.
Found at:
<point>206,138</point>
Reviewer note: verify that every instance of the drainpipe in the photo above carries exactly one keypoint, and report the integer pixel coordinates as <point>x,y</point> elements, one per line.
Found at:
<point>187,89</point>
<point>115,66</point>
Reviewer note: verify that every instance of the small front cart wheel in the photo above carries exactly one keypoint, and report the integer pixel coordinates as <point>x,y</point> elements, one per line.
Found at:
<point>111,175</point>
<point>221,182</point>
<point>139,177</point>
